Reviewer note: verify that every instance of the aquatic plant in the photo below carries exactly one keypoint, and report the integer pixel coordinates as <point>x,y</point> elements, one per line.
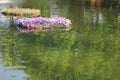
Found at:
<point>44,24</point>
<point>27,12</point>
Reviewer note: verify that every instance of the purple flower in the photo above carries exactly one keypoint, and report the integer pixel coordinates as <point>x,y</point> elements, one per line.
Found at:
<point>43,22</point>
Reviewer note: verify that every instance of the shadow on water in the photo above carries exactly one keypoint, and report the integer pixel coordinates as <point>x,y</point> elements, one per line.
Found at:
<point>89,51</point>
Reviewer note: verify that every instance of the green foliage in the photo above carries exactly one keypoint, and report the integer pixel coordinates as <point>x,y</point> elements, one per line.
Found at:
<point>90,51</point>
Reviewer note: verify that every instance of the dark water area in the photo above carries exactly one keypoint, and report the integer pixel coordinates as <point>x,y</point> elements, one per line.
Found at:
<point>90,51</point>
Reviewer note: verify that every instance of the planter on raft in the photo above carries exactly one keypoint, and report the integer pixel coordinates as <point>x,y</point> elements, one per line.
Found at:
<point>21,12</point>
<point>43,24</point>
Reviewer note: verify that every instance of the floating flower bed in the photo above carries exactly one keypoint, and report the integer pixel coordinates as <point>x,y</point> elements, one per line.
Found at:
<point>44,24</point>
<point>22,12</point>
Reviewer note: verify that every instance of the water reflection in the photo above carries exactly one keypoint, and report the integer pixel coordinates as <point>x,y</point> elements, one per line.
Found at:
<point>56,8</point>
<point>5,20</point>
<point>7,70</point>
<point>89,51</point>
<point>51,53</point>
<point>11,74</point>
<point>5,1</point>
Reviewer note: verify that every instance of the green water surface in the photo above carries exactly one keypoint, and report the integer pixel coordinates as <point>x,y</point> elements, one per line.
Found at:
<point>90,51</point>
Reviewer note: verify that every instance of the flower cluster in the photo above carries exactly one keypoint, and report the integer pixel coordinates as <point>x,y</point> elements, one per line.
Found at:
<point>44,23</point>
<point>27,12</point>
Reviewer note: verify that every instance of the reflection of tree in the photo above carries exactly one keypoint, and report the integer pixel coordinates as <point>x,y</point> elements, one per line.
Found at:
<point>96,46</point>
<point>118,20</point>
<point>89,52</point>
<point>46,55</point>
<point>43,5</point>
<point>10,51</point>
<point>59,7</point>
<point>103,3</point>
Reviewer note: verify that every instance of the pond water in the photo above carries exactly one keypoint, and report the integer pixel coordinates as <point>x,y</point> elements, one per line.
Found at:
<point>90,51</point>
